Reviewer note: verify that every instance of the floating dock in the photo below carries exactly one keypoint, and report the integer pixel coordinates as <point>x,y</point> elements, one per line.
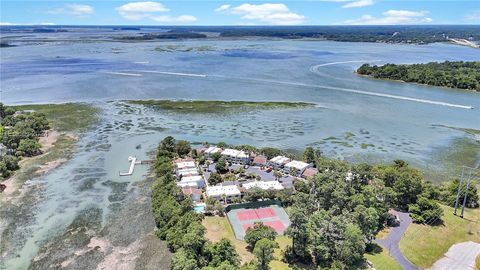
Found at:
<point>133,161</point>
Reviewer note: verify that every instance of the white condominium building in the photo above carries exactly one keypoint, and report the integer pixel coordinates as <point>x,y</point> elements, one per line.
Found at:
<point>265,185</point>
<point>182,165</point>
<point>236,156</point>
<point>278,161</point>
<point>195,181</point>
<point>211,150</point>
<point>295,166</point>
<point>218,192</point>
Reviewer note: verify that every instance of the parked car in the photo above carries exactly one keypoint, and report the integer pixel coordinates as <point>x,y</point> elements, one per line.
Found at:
<point>393,219</point>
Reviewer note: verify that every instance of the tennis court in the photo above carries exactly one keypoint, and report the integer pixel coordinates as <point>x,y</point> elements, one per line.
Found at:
<point>273,216</point>
<point>260,213</point>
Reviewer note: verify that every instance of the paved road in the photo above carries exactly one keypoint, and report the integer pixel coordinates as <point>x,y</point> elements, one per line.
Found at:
<point>459,257</point>
<point>391,242</point>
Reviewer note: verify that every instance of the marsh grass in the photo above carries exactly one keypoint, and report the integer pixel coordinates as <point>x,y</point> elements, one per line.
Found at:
<point>62,149</point>
<point>214,106</point>
<point>462,151</point>
<point>183,48</point>
<point>66,117</point>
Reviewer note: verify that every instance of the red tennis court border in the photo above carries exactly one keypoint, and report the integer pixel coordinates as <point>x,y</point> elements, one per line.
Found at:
<point>277,225</point>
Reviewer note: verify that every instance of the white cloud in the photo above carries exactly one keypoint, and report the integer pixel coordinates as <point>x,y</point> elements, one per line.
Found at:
<point>404,13</point>
<point>222,8</point>
<point>76,10</point>
<point>171,19</point>
<point>140,10</point>
<point>352,3</point>
<point>474,16</point>
<point>11,24</point>
<point>150,10</point>
<point>393,17</point>
<point>142,7</point>
<point>268,13</point>
<point>359,3</point>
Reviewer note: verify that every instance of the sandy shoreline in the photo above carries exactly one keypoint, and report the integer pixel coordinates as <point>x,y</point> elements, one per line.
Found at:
<point>47,142</point>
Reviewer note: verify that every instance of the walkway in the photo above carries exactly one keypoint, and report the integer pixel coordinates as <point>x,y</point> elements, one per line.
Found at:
<point>391,242</point>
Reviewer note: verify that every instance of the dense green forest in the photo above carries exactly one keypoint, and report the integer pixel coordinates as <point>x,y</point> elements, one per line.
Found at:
<point>463,75</point>
<point>334,215</point>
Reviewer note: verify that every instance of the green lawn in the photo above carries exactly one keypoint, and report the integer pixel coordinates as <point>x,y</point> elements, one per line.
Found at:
<point>423,245</point>
<point>219,227</point>
<point>283,242</point>
<point>383,233</point>
<point>383,261</point>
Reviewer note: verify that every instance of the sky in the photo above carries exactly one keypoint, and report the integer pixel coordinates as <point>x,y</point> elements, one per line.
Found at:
<point>217,12</point>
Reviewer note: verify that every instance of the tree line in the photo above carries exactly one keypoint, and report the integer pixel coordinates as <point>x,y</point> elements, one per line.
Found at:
<point>19,135</point>
<point>417,34</point>
<point>463,75</point>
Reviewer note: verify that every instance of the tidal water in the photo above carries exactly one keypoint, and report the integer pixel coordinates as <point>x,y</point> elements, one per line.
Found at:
<point>356,118</point>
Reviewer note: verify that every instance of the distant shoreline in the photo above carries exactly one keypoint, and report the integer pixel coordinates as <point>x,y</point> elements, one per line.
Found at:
<point>392,34</point>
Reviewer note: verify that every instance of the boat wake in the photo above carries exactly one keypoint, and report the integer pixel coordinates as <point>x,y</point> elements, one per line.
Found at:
<point>123,73</point>
<point>343,62</point>
<point>348,90</point>
<point>173,73</point>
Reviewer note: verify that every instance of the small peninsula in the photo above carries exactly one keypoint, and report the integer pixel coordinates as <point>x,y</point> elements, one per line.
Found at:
<point>462,75</point>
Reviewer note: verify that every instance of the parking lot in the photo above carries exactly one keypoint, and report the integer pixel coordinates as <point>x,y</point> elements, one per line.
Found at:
<point>255,170</point>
